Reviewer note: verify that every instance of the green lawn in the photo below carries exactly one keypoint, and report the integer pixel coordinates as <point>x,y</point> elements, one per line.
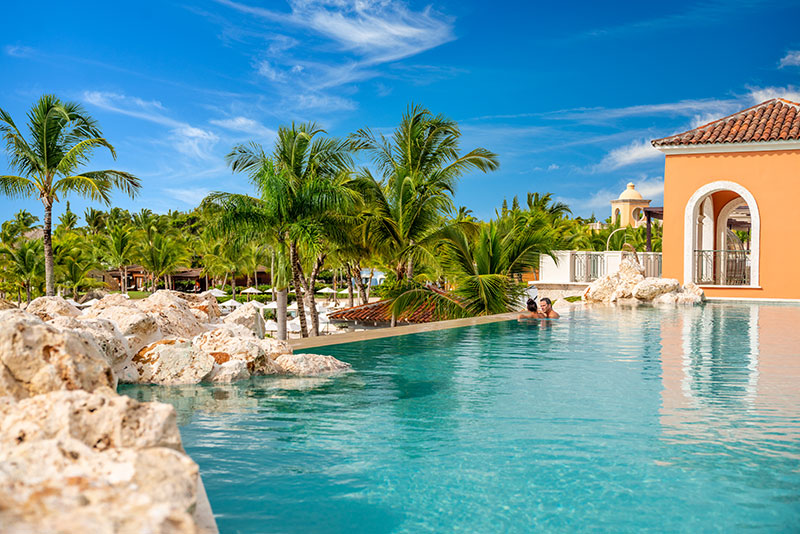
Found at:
<point>136,294</point>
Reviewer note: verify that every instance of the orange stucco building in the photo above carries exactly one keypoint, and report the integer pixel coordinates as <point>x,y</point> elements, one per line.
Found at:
<point>731,198</point>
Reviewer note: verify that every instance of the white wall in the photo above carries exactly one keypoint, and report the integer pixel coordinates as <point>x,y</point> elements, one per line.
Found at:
<point>556,272</point>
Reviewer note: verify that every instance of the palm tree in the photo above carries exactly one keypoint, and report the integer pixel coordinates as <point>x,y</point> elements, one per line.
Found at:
<point>68,221</point>
<point>62,139</point>
<point>118,250</point>
<point>303,189</point>
<point>24,264</point>
<point>482,270</point>
<point>162,256</point>
<point>419,170</point>
<point>95,220</point>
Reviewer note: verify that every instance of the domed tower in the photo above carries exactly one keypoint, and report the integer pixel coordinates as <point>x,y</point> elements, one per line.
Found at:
<point>629,207</point>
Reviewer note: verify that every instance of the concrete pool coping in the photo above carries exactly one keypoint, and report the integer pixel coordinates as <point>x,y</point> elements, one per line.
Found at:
<point>378,333</point>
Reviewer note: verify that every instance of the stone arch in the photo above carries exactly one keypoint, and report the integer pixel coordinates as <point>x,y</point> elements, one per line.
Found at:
<point>692,212</point>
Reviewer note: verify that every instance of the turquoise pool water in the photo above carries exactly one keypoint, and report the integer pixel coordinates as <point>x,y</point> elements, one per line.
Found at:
<point>617,420</point>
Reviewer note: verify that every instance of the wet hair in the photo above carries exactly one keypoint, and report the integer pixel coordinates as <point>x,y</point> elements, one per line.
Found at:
<point>532,305</point>
<point>547,300</point>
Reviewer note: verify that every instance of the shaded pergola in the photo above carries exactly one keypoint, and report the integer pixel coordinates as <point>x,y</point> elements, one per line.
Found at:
<point>650,214</point>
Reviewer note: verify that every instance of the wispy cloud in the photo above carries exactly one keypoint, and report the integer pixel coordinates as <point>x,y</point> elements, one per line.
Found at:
<point>636,152</point>
<point>189,195</point>
<point>243,124</point>
<point>651,188</point>
<point>18,51</point>
<point>791,59</point>
<point>760,94</point>
<point>344,43</point>
<point>187,139</point>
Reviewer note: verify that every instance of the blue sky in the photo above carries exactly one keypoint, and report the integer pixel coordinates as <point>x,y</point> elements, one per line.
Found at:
<point>568,94</point>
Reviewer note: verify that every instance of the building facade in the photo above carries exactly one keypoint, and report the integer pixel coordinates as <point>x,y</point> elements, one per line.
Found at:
<point>731,189</point>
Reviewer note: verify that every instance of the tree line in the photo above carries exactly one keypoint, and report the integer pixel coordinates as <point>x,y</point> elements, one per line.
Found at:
<point>322,207</point>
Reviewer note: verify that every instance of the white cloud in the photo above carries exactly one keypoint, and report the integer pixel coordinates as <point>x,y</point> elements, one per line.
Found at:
<point>189,195</point>
<point>760,94</point>
<point>194,142</point>
<point>651,188</point>
<point>552,167</point>
<point>19,51</point>
<point>322,101</point>
<point>791,59</point>
<point>243,124</point>
<point>186,138</point>
<point>269,72</point>
<point>636,152</point>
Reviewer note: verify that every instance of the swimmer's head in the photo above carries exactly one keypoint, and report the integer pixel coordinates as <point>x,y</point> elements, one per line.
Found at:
<point>532,305</point>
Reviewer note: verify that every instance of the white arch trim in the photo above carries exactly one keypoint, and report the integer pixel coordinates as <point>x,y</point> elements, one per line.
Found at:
<point>690,234</point>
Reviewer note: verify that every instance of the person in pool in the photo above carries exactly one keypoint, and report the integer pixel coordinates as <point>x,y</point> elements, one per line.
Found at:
<point>547,310</point>
<point>531,311</point>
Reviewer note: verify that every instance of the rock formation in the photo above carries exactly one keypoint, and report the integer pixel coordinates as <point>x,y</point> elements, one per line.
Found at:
<point>37,358</point>
<point>629,282</point>
<point>248,316</point>
<point>46,308</point>
<point>310,364</point>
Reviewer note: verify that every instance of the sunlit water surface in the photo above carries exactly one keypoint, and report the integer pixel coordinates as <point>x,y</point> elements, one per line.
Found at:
<point>606,420</point>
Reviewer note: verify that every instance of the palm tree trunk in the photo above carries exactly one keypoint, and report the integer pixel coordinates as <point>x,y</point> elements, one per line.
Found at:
<point>335,298</point>
<point>350,300</point>
<point>28,292</point>
<point>124,279</point>
<point>280,314</point>
<point>47,239</point>
<point>301,312</point>
<point>272,274</point>
<point>410,267</point>
<point>362,291</point>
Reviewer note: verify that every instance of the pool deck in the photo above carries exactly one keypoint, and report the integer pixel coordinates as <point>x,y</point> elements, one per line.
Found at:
<point>377,333</point>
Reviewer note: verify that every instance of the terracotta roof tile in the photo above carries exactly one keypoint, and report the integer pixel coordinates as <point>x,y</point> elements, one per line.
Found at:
<point>381,312</point>
<point>774,120</point>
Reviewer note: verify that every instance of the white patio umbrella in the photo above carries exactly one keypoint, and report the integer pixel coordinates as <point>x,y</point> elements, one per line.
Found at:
<point>259,305</point>
<point>293,325</point>
<point>292,306</point>
<point>326,290</point>
<point>271,326</point>
<point>272,306</point>
<point>216,292</point>
<point>269,290</point>
<point>251,291</point>
<point>343,292</point>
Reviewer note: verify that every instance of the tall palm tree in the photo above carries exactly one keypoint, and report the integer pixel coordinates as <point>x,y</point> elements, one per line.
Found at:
<point>162,256</point>
<point>302,189</point>
<point>68,221</point>
<point>419,168</point>
<point>62,139</point>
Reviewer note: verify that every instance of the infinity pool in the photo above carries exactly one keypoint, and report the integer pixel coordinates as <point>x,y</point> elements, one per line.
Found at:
<point>608,419</point>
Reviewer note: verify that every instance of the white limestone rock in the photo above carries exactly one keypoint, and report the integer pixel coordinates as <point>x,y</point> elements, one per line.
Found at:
<point>101,420</point>
<point>168,362</point>
<point>311,364</point>
<point>205,307</point>
<point>139,328</point>
<point>248,316</point>
<point>629,275</point>
<point>114,299</point>
<point>65,486</point>
<point>234,342</point>
<point>650,288</point>
<point>46,308</point>
<point>37,358</point>
<point>172,314</point>
<point>104,332</point>
<point>666,298</point>
<point>229,371</point>
<point>602,289</point>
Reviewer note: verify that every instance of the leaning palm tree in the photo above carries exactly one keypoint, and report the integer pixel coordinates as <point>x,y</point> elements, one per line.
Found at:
<point>482,269</point>
<point>62,137</point>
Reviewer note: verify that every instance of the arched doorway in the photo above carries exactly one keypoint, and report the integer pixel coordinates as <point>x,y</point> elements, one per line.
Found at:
<point>721,236</point>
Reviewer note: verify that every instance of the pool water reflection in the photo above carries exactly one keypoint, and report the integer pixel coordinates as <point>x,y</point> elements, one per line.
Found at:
<point>609,419</point>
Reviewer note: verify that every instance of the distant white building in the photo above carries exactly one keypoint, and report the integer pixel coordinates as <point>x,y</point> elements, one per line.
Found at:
<point>377,277</point>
